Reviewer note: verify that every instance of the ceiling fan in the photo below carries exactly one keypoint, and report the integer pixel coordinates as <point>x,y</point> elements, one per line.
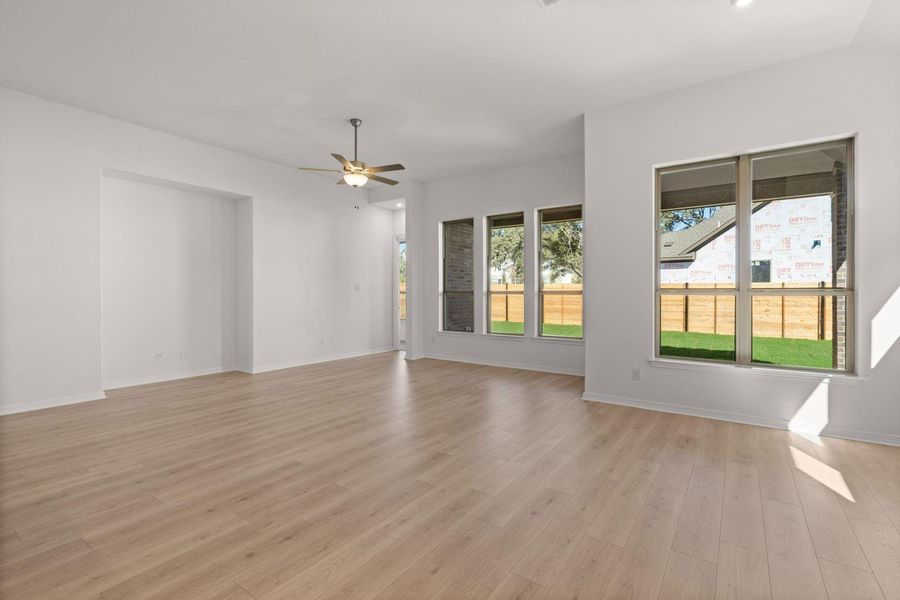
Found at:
<point>355,172</point>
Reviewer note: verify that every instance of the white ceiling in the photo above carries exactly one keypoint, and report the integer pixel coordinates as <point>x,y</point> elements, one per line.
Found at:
<point>445,87</point>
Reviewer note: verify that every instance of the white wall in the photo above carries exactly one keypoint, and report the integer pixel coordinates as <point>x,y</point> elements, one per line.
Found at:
<point>243,287</point>
<point>399,221</point>
<point>169,282</point>
<point>527,188</point>
<point>304,303</point>
<point>837,94</point>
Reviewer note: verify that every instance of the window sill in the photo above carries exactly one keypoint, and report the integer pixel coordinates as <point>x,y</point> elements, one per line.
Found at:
<point>503,336</point>
<point>798,375</point>
<point>559,340</point>
<point>466,334</point>
<point>513,338</point>
<point>539,339</point>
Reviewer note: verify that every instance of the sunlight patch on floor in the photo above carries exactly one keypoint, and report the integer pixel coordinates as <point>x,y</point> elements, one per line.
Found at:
<point>827,476</point>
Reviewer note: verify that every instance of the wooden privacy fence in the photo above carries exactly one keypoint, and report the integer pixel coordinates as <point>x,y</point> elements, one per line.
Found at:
<point>798,317</point>
<point>559,309</point>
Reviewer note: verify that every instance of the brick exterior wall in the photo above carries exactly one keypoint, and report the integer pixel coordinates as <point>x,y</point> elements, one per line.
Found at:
<point>459,276</point>
<point>839,236</point>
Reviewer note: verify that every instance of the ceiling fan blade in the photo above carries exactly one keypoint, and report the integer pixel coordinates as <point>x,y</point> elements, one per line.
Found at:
<point>383,180</point>
<point>340,181</point>
<point>342,160</point>
<point>385,168</point>
<point>325,170</point>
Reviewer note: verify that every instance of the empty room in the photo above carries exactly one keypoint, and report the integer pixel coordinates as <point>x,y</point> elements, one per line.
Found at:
<point>410,300</point>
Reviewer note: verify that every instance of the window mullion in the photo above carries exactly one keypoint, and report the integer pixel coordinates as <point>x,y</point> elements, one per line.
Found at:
<point>743,342</point>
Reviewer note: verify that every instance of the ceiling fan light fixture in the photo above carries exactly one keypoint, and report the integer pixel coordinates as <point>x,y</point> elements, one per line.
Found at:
<point>356,173</point>
<point>355,179</point>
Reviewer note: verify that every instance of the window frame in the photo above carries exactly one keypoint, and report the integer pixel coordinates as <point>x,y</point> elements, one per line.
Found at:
<point>744,292</point>
<point>539,263</point>
<point>487,276</point>
<point>443,279</point>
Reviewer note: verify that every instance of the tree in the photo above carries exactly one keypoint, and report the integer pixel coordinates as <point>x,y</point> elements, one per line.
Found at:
<point>675,220</point>
<point>562,250</point>
<point>507,252</point>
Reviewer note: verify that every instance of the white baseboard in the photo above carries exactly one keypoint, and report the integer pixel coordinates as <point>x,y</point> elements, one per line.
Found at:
<point>21,407</point>
<point>162,378</point>
<point>840,432</point>
<point>505,365</point>
<point>49,403</point>
<point>320,359</point>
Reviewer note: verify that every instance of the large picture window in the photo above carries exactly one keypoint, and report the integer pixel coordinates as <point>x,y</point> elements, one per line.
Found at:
<point>505,274</point>
<point>458,293</point>
<point>754,259</point>
<point>561,264</point>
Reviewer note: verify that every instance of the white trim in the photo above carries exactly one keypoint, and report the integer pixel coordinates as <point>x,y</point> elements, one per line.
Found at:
<point>513,337</point>
<point>505,365</point>
<point>312,361</point>
<point>408,356</point>
<point>168,377</point>
<point>21,407</point>
<point>786,373</point>
<point>464,334</point>
<point>524,338</point>
<point>720,415</point>
<point>79,398</point>
<point>549,339</point>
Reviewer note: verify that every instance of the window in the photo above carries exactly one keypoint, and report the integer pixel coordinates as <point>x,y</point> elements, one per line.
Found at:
<point>505,274</point>
<point>561,264</point>
<point>762,271</point>
<point>402,283</point>
<point>754,259</point>
<point>458,277</point>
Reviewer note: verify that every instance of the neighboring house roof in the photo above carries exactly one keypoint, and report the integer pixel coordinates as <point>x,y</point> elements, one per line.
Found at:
<point>680,245</point>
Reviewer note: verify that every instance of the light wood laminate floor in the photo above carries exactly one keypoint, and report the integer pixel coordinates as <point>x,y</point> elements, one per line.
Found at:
<point>377,478</point>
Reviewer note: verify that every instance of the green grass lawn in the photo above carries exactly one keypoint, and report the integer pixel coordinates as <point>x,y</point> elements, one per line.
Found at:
<point>775,351</point>
<point>574,331</point>
<point>549,329</point>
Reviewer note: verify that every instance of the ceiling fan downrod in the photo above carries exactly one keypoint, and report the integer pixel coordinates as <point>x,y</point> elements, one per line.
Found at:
<point>356,123</point>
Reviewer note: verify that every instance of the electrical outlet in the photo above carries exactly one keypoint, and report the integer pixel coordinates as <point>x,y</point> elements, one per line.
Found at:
<point>160,355</point>
<point>636,374</point>
<point>184,354</point>
<point>355,287</point>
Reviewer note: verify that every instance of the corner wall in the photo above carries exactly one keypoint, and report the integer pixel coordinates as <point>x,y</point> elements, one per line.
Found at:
<point>523,188</point>
<point>320,266</point>
<point>838,94</point>
<point>169,282</point>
